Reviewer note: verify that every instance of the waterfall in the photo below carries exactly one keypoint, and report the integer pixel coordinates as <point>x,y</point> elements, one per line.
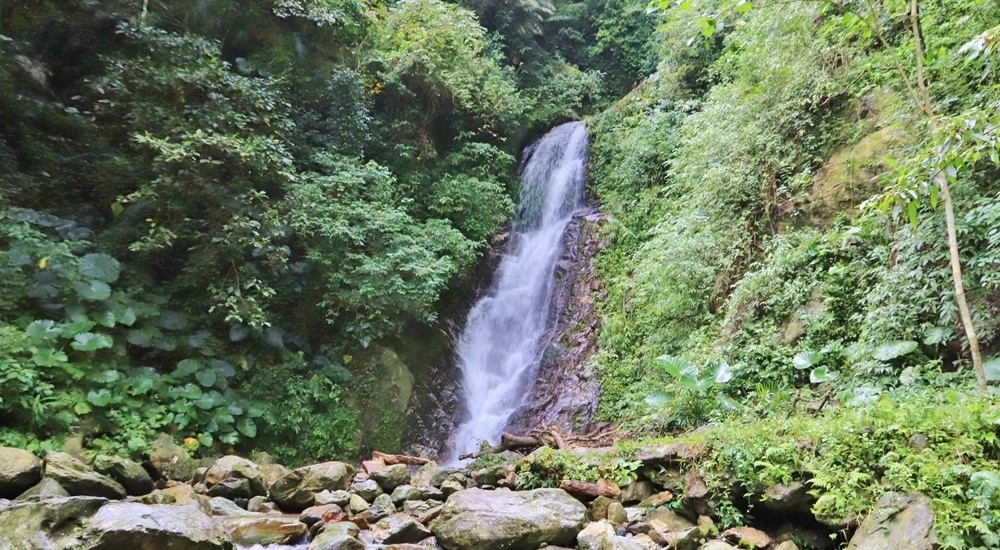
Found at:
<point>501,345</point>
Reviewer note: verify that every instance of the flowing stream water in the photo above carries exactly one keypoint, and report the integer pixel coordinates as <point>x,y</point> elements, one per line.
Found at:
<point>501,345</point>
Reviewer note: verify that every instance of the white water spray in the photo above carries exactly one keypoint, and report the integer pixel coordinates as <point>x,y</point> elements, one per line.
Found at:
<point>501,346</point>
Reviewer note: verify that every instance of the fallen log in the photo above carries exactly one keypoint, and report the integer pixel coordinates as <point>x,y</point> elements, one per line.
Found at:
<point>390,460</point>
<point>589,491</point>
<point>508,442</point>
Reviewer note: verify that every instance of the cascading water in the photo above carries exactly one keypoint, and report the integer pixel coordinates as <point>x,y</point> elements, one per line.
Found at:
<point>502,343</point>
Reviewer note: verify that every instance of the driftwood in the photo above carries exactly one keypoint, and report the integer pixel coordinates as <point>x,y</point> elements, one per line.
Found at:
<point>539,438</point>
<point>390,460</point>
<point>589,491</point>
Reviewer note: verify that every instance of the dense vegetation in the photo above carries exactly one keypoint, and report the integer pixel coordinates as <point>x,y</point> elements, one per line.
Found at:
<point>210,210</point>
<point>218,216</point>
<point>779,263</point>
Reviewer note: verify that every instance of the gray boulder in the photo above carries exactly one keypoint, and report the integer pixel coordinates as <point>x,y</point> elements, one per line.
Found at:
<point>45,489</point>
<point>391,477</point>
<point>367,489</point>
<point>130,474</point>
<point>171,460</point>
<point>252,530</point>
<point>504,520</point>
<point>224,507</point>
<point>19,470</point>
<point>146,527</point>
<point>399,529</point>
<point>236,468</point>
<point>79,479</point>
<point>54,524</point>
<point>337,536</point>
<point>601,536</point>
<point>900,522</point>
<point>297,490</point>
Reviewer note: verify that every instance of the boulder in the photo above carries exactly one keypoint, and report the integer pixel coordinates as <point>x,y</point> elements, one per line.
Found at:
<point>697,498</point>
<point>491,475</point>
<point>474,519</point>
<point>260,504</point>
<point>234,467</point>
<point>391,477</point>
<point>616,514</point>
<point>601,536</point>
<point>335,541</point>
<point>324,512</point>
<point>224,507</point>
<point>417,508</point>
<point>19,471</point>
<point>129,473</point>
<point>901,522</point>
<point>251,530</point>
<point>787,545</point>
<point>358,504</point>
<point>668,520</point>
<point>659,499</point>
<point>408,492</point>
<point>171,460</point>
<point>297,490</point>
<point>231,488</point>
<point>55,523</point>
<point>145,527</point>
<point>79,479</point>
<point>637,491</point>
<point>747,537</point>
<point>451,486</point>
<point>719,545</point>
<point>337,536</point>
<point>664,453</point>
<point>340,498</point>
<point>432,475</point>
<point>598,508</point>
<point>399,529</point>
<point>786,498</point>
<point>366,489</point>
<point>46,488</point>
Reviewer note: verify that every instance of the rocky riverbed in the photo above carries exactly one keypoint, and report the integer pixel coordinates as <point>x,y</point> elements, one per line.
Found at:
<point>174,502</point>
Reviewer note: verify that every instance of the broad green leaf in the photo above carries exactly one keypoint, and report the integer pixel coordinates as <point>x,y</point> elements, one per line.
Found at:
<point>100,266</point>
<point>728,403</point>
<point>223,368</point>
<point>186,367</point>
<point>892,350</point>
<point>911,213</point>
<point>104,318</point>
<point>659,398</point>
<point>205,439</point>
<point>909,376</point>
<point>44,330</point>
<point>100,398</point>
<point>820,375</point>
<point>936,335</point>
<point>806,359</point>
<point>864,395</point>
<point>173,320</point>
<point>81,408</point>
<point>723,373</point>
<point>187,391</point>
<point>106,376</point>
<point>90,341</point>
<point>205,402</point>
<point>677,366</point>
<point>206,377</point>
<point>247,427</point>
<point>92,289</point>
<point>48,357</point>
<point>79,327</point>
<point>992,369</point>
<point>231,438</point>
<point>17,257</point>
<point>139,337</point>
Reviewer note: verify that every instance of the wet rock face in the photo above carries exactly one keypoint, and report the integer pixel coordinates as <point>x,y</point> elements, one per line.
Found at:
<point>565,392</point>
<point>503,520</point>
<point>297,490</point>
<point>146,527</point>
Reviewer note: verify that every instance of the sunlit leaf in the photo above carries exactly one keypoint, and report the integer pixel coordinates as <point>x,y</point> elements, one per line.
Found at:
<point>892,350</point>
<point>90,341</point>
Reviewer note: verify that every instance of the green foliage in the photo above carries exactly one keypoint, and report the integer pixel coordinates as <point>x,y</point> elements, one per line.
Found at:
<point>547,467</point>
